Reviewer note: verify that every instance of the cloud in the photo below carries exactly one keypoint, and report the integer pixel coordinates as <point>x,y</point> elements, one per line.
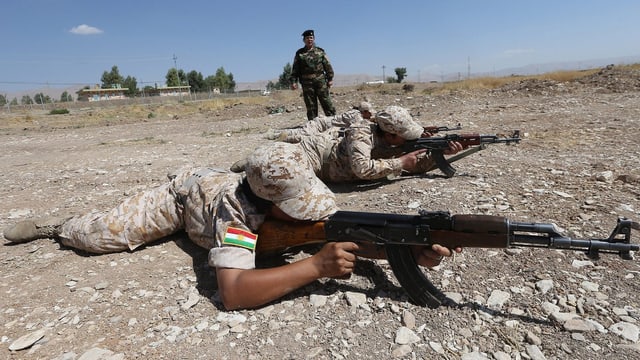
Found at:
<point>85,29</point>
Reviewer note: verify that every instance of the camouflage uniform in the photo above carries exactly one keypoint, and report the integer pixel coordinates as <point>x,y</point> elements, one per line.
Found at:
<point>210,205</point>
<point>359,151</point>
<point>314,71</point>
<point>203,202</point>
<point>361,154</point>
<point>321,124</point>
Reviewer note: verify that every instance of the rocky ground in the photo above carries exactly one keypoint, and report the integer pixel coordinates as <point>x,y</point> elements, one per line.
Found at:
<point>577,167</point>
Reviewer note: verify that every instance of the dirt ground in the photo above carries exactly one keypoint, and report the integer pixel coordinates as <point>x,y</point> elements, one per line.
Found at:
<point>577,167</point>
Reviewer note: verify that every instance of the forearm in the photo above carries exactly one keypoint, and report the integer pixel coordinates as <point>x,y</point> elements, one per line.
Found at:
<point>372,169</point>
<point>425,163</point>
<point>252,288</point>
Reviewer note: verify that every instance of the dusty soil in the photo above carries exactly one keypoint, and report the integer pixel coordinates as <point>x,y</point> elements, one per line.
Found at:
<point>577,167</point>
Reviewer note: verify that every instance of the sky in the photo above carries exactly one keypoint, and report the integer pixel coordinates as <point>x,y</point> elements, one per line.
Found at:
<point>62,43</point>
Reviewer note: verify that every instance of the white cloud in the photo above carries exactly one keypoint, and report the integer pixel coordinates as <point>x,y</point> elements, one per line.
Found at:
<point>85,29</point>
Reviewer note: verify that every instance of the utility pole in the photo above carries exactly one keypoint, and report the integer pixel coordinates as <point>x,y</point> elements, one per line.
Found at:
<point>383,67</point>
<point>175,66</point>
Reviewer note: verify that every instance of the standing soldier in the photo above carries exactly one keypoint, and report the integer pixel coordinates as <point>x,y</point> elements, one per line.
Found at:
<point>312,68</point>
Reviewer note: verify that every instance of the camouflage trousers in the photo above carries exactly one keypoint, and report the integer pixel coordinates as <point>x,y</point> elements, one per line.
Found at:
<point>314,90</point>
<point>142,218</point>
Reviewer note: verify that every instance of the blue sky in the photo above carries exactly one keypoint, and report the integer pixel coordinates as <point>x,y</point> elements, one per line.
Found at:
<point>69,42</point>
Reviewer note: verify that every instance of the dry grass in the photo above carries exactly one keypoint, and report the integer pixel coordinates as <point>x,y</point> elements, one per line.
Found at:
<point>490,82</point>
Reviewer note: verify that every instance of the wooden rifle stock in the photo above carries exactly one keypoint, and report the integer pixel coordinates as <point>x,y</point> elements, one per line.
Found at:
<point>276,236</point>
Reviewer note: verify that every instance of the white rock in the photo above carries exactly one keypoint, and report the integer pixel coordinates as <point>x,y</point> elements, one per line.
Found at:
<point>356,299</point>
<point>497,299</point>
<point>317,300</point>
<point>405,336</point>
<point>27,340</point>
<point>544,285</point>
<point>625,330</point>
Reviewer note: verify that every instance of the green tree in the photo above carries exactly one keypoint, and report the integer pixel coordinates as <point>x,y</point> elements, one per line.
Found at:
<point>221,80</point>
<point>401,73</point>
<point>3,100</point>
<point>66,97</point>
<point>271,85</point>
<point>41,98</point>
<point>196,81</point>
<point>182,77</point>
<point>14,102</point>
<point>26,100</point>
<point>132,86</point>
<point>284,81</point>
<point>172,77</point>
<point>111,79</point>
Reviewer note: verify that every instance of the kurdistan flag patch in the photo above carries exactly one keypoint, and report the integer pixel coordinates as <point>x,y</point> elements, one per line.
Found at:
<point>239,237</point>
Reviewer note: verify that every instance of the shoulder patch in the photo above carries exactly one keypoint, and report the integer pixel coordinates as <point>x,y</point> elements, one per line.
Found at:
<point>241,238</point>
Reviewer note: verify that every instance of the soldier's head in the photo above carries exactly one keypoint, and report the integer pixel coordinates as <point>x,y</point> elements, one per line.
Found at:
<point>281,173</point>
<point>308,37</point>
<point>397,125</point>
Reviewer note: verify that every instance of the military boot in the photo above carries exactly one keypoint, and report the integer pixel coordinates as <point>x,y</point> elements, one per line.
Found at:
<point>239,166</point>
<point>33,229</point>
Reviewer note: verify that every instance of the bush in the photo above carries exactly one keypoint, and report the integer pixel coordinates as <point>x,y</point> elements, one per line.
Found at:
<point>58,111</point>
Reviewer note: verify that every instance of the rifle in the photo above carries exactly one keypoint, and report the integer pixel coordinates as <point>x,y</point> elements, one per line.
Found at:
<point>398,234</point>
<point>437,146</point>
<point>437,129</point>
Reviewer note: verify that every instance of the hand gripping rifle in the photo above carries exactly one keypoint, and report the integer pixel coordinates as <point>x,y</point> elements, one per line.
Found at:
<point>472,142</point>
<point>398,234</point>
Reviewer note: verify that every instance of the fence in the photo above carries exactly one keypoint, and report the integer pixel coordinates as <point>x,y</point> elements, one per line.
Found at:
<point>140,100</point>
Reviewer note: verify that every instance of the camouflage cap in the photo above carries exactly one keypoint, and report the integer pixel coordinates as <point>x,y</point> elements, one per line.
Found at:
<point>366,106</point>
<point>397,120</point>
<point>282,174</point>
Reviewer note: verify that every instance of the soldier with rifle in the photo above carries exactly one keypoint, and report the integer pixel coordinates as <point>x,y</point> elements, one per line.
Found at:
<point>223,212</point>
<point>369,151</point>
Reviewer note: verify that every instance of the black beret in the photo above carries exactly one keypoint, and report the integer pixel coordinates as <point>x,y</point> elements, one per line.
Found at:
<point>307,33</point>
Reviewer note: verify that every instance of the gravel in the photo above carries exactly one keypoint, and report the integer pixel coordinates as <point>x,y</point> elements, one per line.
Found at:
<point>577,167</point>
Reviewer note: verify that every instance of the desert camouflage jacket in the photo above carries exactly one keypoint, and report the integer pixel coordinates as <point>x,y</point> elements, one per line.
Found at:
<point>360,154</point>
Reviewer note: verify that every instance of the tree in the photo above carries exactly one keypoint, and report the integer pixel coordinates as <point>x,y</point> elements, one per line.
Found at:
<point>196,81</point>
<point>221,80</point>
<point>284,81</point>
<point>66,97</point>
<point>132,86</point>
<point>3,100</point>
<point>270,85</point>
<point>172,77</point>
<point>111,79</point>
<point>401,73</point>
<point>14,102</point>
<point>26,100</point>
<point>41,98</point>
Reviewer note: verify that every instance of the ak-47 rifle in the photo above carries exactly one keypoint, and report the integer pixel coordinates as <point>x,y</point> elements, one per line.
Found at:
<point>399,234</point>
<point>437,129</point>
<point>472,142</point>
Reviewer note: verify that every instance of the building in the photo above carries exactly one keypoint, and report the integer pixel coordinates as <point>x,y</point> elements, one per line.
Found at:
<point>182,90</point>
<point>98,94</point>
